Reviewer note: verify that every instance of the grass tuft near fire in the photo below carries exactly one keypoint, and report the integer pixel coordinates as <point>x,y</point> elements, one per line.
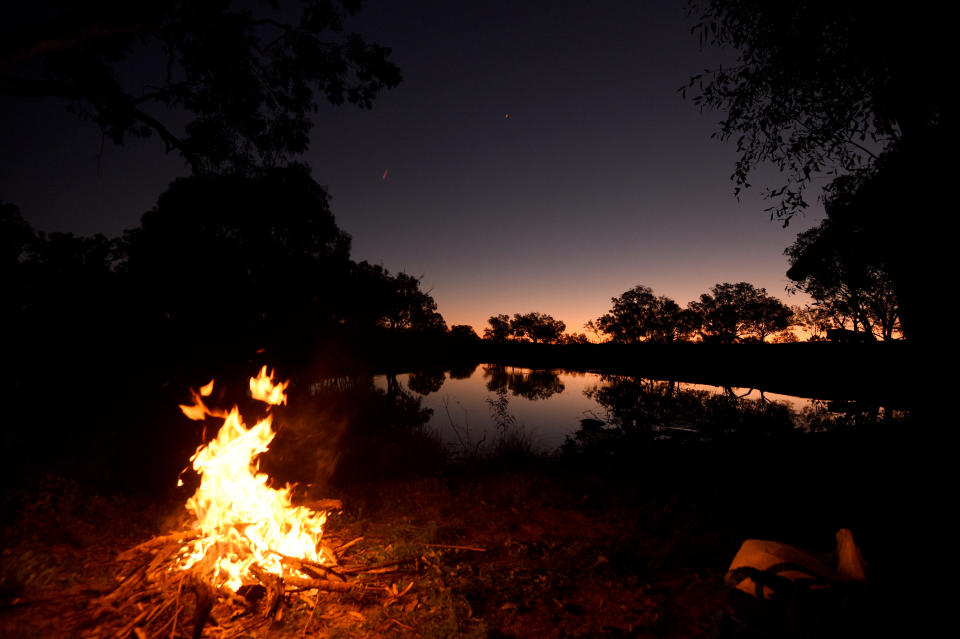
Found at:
<point>244,523</point>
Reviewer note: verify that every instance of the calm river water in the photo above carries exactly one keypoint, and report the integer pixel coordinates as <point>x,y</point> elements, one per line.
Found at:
<point>549,405</point>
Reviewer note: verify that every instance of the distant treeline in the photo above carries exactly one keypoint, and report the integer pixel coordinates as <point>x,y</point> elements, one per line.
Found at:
<point>729,313</point>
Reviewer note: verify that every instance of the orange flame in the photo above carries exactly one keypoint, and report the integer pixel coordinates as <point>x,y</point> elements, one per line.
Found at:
<point>242,520</point>
<point>263,388</point>
<point>199,410</point>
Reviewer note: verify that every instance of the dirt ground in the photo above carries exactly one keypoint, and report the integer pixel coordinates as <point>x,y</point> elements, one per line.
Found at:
<point>540,551</point>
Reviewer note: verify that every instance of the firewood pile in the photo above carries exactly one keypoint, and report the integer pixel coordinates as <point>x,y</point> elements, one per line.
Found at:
<point>156,599</point>
<point>247,551</point>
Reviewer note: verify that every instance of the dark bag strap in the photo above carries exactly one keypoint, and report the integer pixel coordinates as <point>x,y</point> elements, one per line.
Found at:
<point>773,580</point>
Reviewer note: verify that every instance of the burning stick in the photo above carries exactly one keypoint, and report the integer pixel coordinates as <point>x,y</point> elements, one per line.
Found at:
<point>244,522</point>
<point>244,534</point>
<point>248,549</point>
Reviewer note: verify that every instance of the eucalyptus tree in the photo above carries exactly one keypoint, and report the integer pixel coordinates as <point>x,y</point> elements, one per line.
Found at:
<point>639,315</point>
<point>230,86</point>
<point>538,328</point>
<point>739,312</point>
<point>822,89</point>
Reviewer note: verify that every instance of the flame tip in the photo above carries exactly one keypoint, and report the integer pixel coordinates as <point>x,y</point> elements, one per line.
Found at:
<point>234,505</point>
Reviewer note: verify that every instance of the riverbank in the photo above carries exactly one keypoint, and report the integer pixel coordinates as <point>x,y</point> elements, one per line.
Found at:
<point>578,546</point>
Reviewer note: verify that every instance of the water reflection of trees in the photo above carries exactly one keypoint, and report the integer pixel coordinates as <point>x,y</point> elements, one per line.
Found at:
<point>348,429</point>
<point>463,370</point>
<point>533,384</point>
<point>637,409</point>
<point>822,415</point>
<point>426,381</point>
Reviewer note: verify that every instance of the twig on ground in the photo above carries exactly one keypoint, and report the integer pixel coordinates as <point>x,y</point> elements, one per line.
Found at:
<point>453,547</point>
<point>376,568</point>
<point>402,625</point>
<point>313,610</point>
<point>350,543</point>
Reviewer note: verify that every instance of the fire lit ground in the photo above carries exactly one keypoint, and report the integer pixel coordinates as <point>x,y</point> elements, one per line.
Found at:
<point>544,548</point>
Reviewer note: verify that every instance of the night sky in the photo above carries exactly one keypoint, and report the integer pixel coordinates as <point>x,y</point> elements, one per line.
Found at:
<point>536,157</point>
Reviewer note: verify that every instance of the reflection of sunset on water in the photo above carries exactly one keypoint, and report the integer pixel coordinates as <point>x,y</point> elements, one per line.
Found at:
<point>548,421</point>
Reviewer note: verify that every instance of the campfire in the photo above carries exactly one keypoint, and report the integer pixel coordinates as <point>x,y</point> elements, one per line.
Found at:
<point>246,551</point>
<point>245,526</point>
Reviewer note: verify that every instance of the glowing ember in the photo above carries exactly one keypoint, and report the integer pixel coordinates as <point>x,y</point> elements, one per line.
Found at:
<point>244,523</point>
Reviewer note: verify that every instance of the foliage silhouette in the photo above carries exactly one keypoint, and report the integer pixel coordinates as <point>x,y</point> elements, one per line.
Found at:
<point>787,101</point>
<point>835,265</point>
<point>739,312</point>
<point>223,268</point>
<point>399,303</point>
<point>262,261</point>
<point>824,88</point>
<point>16,234</point>
<point>538,328</point>
<point>463,336</point>
<point>246,76</point>
<point>638,315</point>
<point>812,319</point>
<point>244,261</point>
<point>513,445</point>
<point>499,330</point>
<point>222,263</point>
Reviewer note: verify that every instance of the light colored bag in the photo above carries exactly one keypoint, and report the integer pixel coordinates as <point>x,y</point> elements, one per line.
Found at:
<point>766,569</point>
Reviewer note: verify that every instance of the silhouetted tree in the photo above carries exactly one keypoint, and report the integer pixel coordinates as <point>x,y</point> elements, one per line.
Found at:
<point>16,237</point>
<point>394,302</point>
<point>813,319</point>
<point>70,295</point>
<point>409,308</point>
<point>237,259</point>
<point>66,324</point>
<point>499,330</point>
<point>591,325</point>
<point>825,88</point>
<point>539,328</point>
<point>832,263</point>
<point>464,333</point>
<point>766,316</point>
<point>820,86</point>
<point>574,338</point>
<point>638,315</point>
<point>732,312</point>
<point>246,75</point>
<point>785,337</point>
